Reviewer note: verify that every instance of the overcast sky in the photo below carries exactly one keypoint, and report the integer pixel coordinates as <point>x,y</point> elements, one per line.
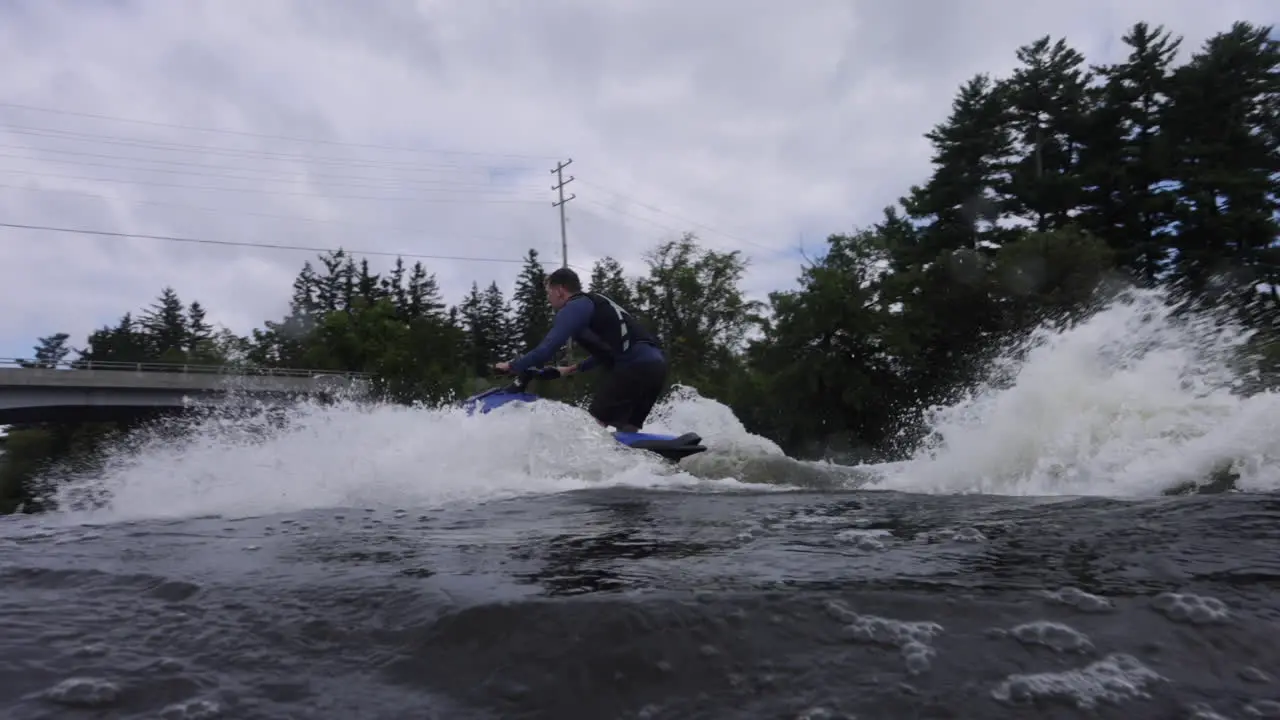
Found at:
<point>431,128</point>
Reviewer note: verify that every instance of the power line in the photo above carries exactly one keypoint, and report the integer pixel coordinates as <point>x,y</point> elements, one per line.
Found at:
<point>420,198</point>
<point>260,191</point>
<point>663,226</point>
<point>266,246</point>
<point>336,182</point>
<point>222,211</point>
<point>229,152</point>
<point>297,218</point>
<point>245,133</point>
<point>655,209</point>
<point>182,163</point>
<point>392,228</point>
<point>624,213</point>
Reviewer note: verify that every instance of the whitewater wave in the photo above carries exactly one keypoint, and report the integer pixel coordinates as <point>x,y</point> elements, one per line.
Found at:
<point>1140,399</point>
<point>242,461</point>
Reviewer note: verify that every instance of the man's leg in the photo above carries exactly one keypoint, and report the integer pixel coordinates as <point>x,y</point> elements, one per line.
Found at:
<point>612,405</point>
<point>647,384</point>
<point>627,395</point>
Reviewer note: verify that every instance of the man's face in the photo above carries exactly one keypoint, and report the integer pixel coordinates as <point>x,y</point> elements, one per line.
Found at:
<point>557,296</point>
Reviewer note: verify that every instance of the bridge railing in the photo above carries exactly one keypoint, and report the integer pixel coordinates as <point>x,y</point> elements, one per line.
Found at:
<point>181,368</point>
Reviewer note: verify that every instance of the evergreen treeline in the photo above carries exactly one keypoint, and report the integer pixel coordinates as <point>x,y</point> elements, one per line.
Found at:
<point>1045,184</point>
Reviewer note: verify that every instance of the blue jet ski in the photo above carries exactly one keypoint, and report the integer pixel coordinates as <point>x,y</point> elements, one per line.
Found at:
<point>671,447</point>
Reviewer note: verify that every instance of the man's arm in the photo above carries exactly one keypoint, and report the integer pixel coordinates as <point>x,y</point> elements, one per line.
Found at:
<point>588,363</point>
<point>572,319</point>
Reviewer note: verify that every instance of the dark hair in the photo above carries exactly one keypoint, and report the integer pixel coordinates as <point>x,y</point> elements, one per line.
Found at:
<point>565,278</point>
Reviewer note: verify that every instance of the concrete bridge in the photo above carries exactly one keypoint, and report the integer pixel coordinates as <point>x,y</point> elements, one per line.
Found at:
<point>91,391</point>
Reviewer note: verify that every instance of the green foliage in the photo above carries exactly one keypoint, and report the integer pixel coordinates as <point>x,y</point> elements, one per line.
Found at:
<point>692,302</point>
<point>531,313</point>
<point>50,352</point>
<point>608,279</point>
<point>1046,187</point>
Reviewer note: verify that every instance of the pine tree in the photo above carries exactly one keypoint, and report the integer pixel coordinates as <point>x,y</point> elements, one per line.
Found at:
<point>1224,125</point>
<point>968,149</point>
<point>393,286</point>
<point>532,312</point>
<point>1127,199</point>
<point>50,351</point>
<point>368,284</point>
<point>939,267</point>
<point>1047,111</point>
<point>124,342</point>
<point>479,344</point>
<point>285,343</point>
<point>496,316</point>
<point>329,290</point>
<point>608,280</point>
<point>306,286</point>
<point>347,284</point>
<point>199,334</point>
<point>424,294</point>
<point>166,327</point>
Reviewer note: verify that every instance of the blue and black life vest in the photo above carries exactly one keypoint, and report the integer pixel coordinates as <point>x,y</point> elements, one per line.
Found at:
<point>612,331</point>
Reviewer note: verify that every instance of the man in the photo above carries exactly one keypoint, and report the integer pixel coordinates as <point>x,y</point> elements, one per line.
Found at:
<point>636,365</point>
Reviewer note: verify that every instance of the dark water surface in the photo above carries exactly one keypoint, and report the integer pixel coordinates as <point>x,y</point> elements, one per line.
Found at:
<point>641,604</point>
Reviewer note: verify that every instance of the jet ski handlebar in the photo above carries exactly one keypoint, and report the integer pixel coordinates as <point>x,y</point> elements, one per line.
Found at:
<point>544,373</point>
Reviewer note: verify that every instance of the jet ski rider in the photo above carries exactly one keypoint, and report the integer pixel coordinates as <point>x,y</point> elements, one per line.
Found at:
<point>633,359</point>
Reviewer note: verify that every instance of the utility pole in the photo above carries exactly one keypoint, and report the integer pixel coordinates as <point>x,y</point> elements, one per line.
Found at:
<point>560,183</point>
<point>564,236</point>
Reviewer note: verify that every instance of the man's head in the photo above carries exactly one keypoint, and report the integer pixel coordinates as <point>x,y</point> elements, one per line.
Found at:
<point>561,285</point>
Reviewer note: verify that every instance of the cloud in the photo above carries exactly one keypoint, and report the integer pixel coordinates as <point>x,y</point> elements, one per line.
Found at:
<point>434,126</point>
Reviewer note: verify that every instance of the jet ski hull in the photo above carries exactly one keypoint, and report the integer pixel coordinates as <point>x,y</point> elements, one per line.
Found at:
<point>671,447</point>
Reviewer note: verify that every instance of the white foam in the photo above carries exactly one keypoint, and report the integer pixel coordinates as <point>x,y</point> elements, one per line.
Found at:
<point>348,455</point>
<point>1055,635</point>
<point>1131,402</point>
<point>913,639</point>
<point>1191,609</point>
<point>1113,679</point>
<point>687,411</point>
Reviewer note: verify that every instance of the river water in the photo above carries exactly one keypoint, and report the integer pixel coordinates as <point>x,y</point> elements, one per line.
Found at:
<point>1047,556</point>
